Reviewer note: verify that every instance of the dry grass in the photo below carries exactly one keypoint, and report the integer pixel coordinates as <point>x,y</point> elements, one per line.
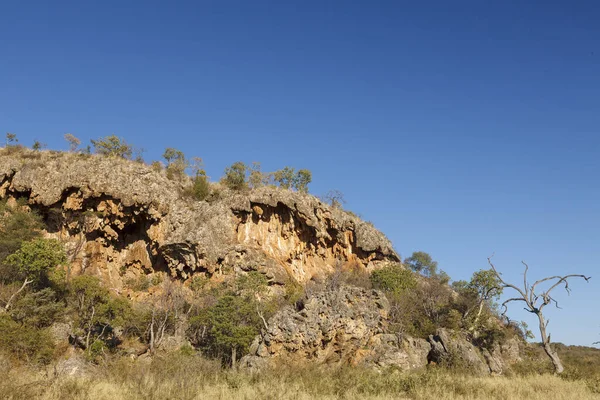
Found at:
<point>181,377</point>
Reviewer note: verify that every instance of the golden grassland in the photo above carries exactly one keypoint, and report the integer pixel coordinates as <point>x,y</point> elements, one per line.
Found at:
<point>192,377</point>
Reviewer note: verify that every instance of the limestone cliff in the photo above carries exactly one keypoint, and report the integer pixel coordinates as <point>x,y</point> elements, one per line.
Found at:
<point>120,218</point>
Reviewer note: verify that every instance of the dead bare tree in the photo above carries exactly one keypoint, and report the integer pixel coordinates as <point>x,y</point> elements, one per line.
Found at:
<point>534,303</point>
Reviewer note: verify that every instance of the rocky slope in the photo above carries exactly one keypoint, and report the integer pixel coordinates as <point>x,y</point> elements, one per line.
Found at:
<point>121,219</point>
<point>348,326</point>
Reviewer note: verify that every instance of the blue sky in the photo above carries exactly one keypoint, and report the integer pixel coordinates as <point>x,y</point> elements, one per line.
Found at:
<point>459,128</point>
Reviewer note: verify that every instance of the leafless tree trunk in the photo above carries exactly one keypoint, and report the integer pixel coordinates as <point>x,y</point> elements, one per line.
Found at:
<point>233,357</point>
<point>89,330</point>
<point>10,300</point>
<point>534,303</point>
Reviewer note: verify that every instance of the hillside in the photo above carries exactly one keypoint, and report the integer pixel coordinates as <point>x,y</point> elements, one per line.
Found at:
<point>128,215</point>
<point>103,259</point>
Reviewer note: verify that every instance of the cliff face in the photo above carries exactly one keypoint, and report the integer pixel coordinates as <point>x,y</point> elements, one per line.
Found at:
<point>119,218</point>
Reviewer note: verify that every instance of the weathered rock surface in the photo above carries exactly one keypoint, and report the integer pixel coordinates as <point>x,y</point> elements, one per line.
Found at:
<point>348,326</point>
<point>122,218</point>
<point>342,326</point>
<point>452,346</point>
<point>332,327</point>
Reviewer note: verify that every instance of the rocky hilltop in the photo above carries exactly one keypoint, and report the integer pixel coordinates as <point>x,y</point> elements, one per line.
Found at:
<point>121,218</point>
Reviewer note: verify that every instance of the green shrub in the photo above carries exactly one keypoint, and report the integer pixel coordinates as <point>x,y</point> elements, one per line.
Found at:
<point>16,226</point>
<point>235,176</point>
<point>156,166</point>
<point>228,327</point>
<point>393,279</point>
<point>139,284</point>
<point>24,342</point>
<point>113,146</point>
<point>36,258</point>
<point>200,187</point>
<point>37,309</point>
<point>176,163</point>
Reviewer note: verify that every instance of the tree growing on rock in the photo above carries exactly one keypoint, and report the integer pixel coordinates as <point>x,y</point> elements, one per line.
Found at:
<point>113,146</point>
<point>334,198</point>
<point>301,180</point>
<point>289,178</point>
<point>482,289</point>
<point>200,185</point>
<point>422,263</point>
<point>97,312</point>
<point>37,145</point>
<point>235,176</point>
<point>176,163</point>
<point>11,138</point>
<point>73,141</point>
<point>535,300</point>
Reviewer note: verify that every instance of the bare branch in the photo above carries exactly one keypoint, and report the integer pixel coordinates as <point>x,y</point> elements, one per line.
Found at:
<point>535,306</point>
<point>525,276</point>
<point>8,304</point>
<point>506,285</point>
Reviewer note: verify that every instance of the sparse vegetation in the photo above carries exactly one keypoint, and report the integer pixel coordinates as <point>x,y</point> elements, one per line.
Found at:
<point>235,176</point>
<point>176,163</point>
<point>73,141</point>
<point>112,146</point>
<point>181,376</point>
<point>534,302</point>
<point>217,319</point>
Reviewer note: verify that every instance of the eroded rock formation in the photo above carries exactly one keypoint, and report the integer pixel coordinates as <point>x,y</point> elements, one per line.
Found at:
<point>348,326</point>
<point>119,218</point>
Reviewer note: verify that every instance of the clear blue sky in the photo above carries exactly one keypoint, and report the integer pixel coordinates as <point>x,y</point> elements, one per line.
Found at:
<point>457,128</point>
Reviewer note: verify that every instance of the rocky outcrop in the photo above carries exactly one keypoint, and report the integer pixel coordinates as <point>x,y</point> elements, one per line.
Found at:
<point>348,325</point>
<point>120,218</point>
<point>453,348</point>
<point>333,326</point>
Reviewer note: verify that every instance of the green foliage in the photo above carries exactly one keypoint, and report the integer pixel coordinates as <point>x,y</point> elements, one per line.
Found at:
<point>235,176</point>
<point>156,166</point>
<point>24,342</point>
<point>294,293</point>
<point>112,146</point>
<point>37,145</point>
<point>233,323</point>
<point>252,283</point>
<point>490,336</point>
<point>172,156</point>
<point>38,309</point>
<point>486,284</point>
<point>301,180</point>
<point>288,178</point>
<point>256,178</point>
<point>422,263</point>
<point>200,187</point>
<point>393,279</point>
<point>176,163</point>
<point>284,177</point>
<point>35,258</point>
<point>96,311</point>
<point>139,284</point>
<point>198,282</point>
<point>16,226</point>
